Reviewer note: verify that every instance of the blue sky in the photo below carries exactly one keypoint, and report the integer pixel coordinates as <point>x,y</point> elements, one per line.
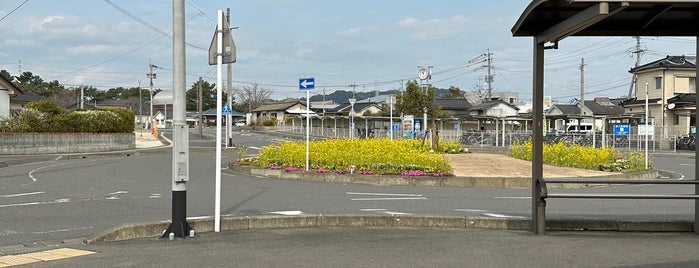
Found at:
<point>374,44</point>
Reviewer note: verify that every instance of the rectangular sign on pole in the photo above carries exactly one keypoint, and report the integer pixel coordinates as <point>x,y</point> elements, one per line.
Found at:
<point>622,129</point>
<point>307,83</point>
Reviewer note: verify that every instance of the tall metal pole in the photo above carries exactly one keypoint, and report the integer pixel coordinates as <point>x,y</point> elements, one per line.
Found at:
<point>180,132</point>
<point>308,124</point>
<point>646,130</point>
<point>219,97</point>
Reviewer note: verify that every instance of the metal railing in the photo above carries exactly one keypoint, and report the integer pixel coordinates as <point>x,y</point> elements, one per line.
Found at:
<point>541,194</point>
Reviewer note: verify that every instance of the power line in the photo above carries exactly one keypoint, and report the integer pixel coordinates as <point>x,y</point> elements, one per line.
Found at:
<point>8,14</point>
<point>150,26</point>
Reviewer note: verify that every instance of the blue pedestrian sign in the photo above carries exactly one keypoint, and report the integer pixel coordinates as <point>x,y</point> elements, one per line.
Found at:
<point>307,83</point>
<point>226,110</point>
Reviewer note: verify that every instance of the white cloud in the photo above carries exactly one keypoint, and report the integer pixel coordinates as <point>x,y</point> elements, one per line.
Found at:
<point>350,32</point>
<point>49,19</point>
<point>437,28</point>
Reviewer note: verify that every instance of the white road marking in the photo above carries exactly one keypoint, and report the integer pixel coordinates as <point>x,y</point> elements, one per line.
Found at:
<point>494,215</point>
<point>119,192</point>
<point>384,211</point>
<point>670,171</point>
<point>62,230</point>
<point>112,198</point>
<point>382,194</point>
<point>62,200</point>
<point>154,196</point>
<point>23,194</point>
<point>686,164</point>
<point>469,210</point>
<point>8,232</point>
<point>254,148</point>
<point>288,213</point>
<point>512,197</point>
<point>388,198</point>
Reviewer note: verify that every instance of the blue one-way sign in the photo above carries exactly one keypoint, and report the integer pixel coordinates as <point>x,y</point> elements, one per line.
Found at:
<point>306,83</point>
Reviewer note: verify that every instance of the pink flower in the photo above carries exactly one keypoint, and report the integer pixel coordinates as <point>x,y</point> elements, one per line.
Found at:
<point>290,169</point>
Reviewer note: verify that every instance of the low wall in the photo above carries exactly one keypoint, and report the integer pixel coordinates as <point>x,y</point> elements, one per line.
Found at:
<point>53,143</point>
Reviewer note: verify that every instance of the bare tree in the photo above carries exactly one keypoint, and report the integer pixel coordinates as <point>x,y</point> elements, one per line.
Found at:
<point>252,96</point>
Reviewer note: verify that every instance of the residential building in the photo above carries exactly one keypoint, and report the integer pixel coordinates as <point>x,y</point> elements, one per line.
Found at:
<point>664,80</point>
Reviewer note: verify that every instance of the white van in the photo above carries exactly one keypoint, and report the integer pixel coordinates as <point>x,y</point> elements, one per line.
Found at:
<point>582,128</point>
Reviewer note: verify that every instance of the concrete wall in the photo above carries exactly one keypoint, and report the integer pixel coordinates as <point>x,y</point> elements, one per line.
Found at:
<point>52,143</point>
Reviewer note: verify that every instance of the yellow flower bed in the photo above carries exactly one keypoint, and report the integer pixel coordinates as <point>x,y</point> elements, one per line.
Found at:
<point>380,156</point>
<point>578,156</point>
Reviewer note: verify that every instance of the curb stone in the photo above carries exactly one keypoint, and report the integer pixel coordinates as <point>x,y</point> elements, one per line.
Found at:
<point>156,229</point>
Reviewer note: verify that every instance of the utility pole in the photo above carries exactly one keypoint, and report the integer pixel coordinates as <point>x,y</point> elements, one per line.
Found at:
<point>229,85</point>
<point>199,105</point>
<point>140,108</point>
<point>582,87</point>
<point>180,130</point>
<point>634,79</point>
<point>352,101</point>
<point>151,76</point>
<point>490,78</point>
<point>82,97</point>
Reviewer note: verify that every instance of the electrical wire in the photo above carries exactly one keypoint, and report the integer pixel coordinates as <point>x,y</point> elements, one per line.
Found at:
<point>8,14</point>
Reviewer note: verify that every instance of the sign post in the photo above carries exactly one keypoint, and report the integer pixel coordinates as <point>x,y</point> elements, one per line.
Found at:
<point>307,84</point>
<point>221,51</point>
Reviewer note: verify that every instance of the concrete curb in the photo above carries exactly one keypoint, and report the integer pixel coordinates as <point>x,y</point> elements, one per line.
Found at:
<point>145,230</point>
<point>425,181</point>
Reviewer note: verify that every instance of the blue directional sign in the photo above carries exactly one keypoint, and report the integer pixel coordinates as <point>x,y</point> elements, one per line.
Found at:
<point>622,129</point>
<point>307,83</point>
<point>226,110</point>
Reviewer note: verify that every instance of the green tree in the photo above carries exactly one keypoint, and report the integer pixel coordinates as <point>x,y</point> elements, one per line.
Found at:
<point>415,101</point>
<point>455,93</point>
<point>6,75</point>
<point>208,94</point>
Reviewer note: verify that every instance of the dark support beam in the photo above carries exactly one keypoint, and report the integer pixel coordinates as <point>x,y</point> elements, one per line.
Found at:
<point>696,159</point>
<point>574,24</point>
<point>538,131</point>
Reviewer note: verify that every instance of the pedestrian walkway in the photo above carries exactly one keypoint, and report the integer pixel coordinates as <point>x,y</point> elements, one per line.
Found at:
<point>486,165</point>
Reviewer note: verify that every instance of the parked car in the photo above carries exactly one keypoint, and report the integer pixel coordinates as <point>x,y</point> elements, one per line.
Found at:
<point>240,124</point>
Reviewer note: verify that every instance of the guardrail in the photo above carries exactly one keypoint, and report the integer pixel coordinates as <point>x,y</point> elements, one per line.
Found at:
<point>541,194</point>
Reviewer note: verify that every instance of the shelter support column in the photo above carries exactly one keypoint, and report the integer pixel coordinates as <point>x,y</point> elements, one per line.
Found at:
<point>538,134</point>
<point>696,159</point>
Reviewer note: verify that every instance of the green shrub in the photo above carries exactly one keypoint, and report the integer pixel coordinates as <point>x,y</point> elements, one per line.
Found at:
<point>27,120</point>
<point>89,121</point>
<point>49,107</point>
<point>126,120</point>
<point>270,122</point>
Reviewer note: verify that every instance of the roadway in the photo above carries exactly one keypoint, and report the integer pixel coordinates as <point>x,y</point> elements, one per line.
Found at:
<point>53,202</point>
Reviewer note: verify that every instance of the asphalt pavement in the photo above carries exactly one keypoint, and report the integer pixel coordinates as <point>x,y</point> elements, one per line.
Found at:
<point>380,246</point>
<point>392,247</point>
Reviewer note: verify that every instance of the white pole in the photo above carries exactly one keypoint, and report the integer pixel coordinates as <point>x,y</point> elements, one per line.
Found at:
<point>308,123</point>
<point>390,125</point>
<point>646,134</point>
<point>219,97</point>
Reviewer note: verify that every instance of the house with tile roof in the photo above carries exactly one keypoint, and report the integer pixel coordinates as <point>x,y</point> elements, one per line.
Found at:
<point>665,80</point>
<point>13,98</point>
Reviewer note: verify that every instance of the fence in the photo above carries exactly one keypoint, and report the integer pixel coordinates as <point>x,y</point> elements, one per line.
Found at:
<point>493,138</point>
